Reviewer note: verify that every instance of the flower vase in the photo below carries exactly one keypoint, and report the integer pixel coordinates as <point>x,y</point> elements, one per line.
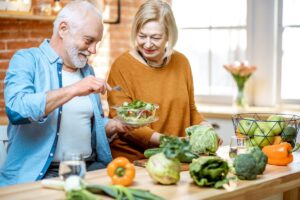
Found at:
<point>239,100</point>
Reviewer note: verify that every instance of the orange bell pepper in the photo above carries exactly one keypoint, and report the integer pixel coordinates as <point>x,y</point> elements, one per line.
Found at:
<point>121,171</point>
<point>280,154</point>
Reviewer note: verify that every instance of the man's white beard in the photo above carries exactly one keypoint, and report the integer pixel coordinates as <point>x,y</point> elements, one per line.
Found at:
<point>73,53</point>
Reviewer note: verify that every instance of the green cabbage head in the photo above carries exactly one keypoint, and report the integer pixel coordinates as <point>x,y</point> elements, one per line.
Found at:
<point>163,170</point>
<point>203,139</point>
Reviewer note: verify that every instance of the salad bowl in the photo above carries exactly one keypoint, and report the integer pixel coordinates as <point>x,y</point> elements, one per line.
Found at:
<point>137,113</point>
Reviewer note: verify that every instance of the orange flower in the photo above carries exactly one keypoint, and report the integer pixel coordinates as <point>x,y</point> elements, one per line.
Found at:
<point>240,69</point>
<point>247,70</point>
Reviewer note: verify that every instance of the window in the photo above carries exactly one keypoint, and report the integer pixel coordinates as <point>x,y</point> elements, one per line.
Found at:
<point>290,63</point>
<point>211,36</point>
<point>266,33</point>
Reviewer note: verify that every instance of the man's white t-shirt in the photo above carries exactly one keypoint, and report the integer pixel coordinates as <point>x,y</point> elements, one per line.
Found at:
<point>75,127</point>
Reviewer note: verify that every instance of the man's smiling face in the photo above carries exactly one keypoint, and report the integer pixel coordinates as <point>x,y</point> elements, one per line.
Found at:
<point>82,40</point>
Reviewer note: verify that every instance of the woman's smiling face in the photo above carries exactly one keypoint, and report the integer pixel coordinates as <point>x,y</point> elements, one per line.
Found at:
<point>151,41</point>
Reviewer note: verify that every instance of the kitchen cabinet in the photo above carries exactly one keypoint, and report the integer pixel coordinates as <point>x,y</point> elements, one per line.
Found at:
<point>224,128</point>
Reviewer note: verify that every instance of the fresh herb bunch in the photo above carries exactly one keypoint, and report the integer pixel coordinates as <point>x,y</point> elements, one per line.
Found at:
<point>174,147</point>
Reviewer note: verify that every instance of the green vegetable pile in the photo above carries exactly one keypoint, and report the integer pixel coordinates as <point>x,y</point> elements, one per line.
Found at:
<point>209,171</point>
<point>247,166</point>
<point>203,139</point>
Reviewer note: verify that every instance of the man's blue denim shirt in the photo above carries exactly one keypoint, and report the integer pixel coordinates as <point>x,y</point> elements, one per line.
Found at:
<point>32,135</point>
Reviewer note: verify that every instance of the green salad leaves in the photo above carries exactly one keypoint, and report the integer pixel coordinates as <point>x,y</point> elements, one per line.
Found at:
<point>136,112</point>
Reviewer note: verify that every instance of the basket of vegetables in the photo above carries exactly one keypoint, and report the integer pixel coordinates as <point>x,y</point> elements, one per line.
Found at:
<point>264,129</point>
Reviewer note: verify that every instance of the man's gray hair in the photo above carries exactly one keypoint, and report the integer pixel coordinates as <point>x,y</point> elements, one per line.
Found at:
<point>75,13</point>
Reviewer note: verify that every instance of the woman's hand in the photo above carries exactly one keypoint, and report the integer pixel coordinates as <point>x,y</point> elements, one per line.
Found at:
<point>205,123</point>
<point>155,139</point>
<point>220,141</point>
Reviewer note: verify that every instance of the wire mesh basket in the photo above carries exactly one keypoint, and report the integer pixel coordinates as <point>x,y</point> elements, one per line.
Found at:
<point>264,129</point>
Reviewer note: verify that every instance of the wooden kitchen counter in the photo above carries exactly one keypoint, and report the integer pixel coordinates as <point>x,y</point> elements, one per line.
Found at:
<point>275,180</point>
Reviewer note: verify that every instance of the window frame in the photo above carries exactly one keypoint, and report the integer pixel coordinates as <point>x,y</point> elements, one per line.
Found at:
<point>280,53</point>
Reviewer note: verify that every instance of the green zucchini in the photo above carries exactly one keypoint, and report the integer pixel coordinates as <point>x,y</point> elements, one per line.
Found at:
<point>150,152</point>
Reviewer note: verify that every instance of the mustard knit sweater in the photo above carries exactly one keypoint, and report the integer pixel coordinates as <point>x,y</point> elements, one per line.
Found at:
<point>171,87</point>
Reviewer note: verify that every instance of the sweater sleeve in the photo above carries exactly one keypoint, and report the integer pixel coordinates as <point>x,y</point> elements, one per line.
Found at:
<point>196,117</point>
<point>140,136</point>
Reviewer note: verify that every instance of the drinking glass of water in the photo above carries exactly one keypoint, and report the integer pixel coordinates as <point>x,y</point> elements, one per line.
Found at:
<point>238,145</point>
<point>72,164</point>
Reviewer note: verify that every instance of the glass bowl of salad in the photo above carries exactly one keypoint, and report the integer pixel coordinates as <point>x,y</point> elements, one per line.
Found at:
<point>137,113</point>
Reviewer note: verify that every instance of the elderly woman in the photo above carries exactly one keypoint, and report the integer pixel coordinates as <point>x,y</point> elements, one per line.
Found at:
<point>153,72</point>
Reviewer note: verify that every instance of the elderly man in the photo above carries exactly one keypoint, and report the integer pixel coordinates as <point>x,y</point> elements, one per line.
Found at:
<point>52,100</point>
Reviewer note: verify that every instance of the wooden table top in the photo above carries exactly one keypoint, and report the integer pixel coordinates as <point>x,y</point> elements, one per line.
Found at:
<point>275,179</point>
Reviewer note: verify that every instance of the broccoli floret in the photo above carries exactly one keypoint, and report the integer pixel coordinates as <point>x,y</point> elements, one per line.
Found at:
<point>260,157</point>
<point>245,166</point>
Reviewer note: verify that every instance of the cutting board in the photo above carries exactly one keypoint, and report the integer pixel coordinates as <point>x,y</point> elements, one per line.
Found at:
<point>142,163</point>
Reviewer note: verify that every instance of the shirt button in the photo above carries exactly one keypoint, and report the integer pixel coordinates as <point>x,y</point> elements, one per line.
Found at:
<point>41,174</point>
<point>60,112</point>
<point>57,134</point>
<point>59,72</point>
<point>51,154</point>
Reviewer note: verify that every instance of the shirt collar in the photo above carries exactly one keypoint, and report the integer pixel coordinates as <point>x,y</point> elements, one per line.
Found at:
<point>49,52</point>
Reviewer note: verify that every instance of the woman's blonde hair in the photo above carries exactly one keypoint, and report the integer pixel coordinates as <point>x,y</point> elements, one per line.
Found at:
<point>159,11</point>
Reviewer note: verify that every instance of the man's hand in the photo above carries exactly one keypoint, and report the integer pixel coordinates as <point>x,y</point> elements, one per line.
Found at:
<point>115,126</point>
<point>89,85</point>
